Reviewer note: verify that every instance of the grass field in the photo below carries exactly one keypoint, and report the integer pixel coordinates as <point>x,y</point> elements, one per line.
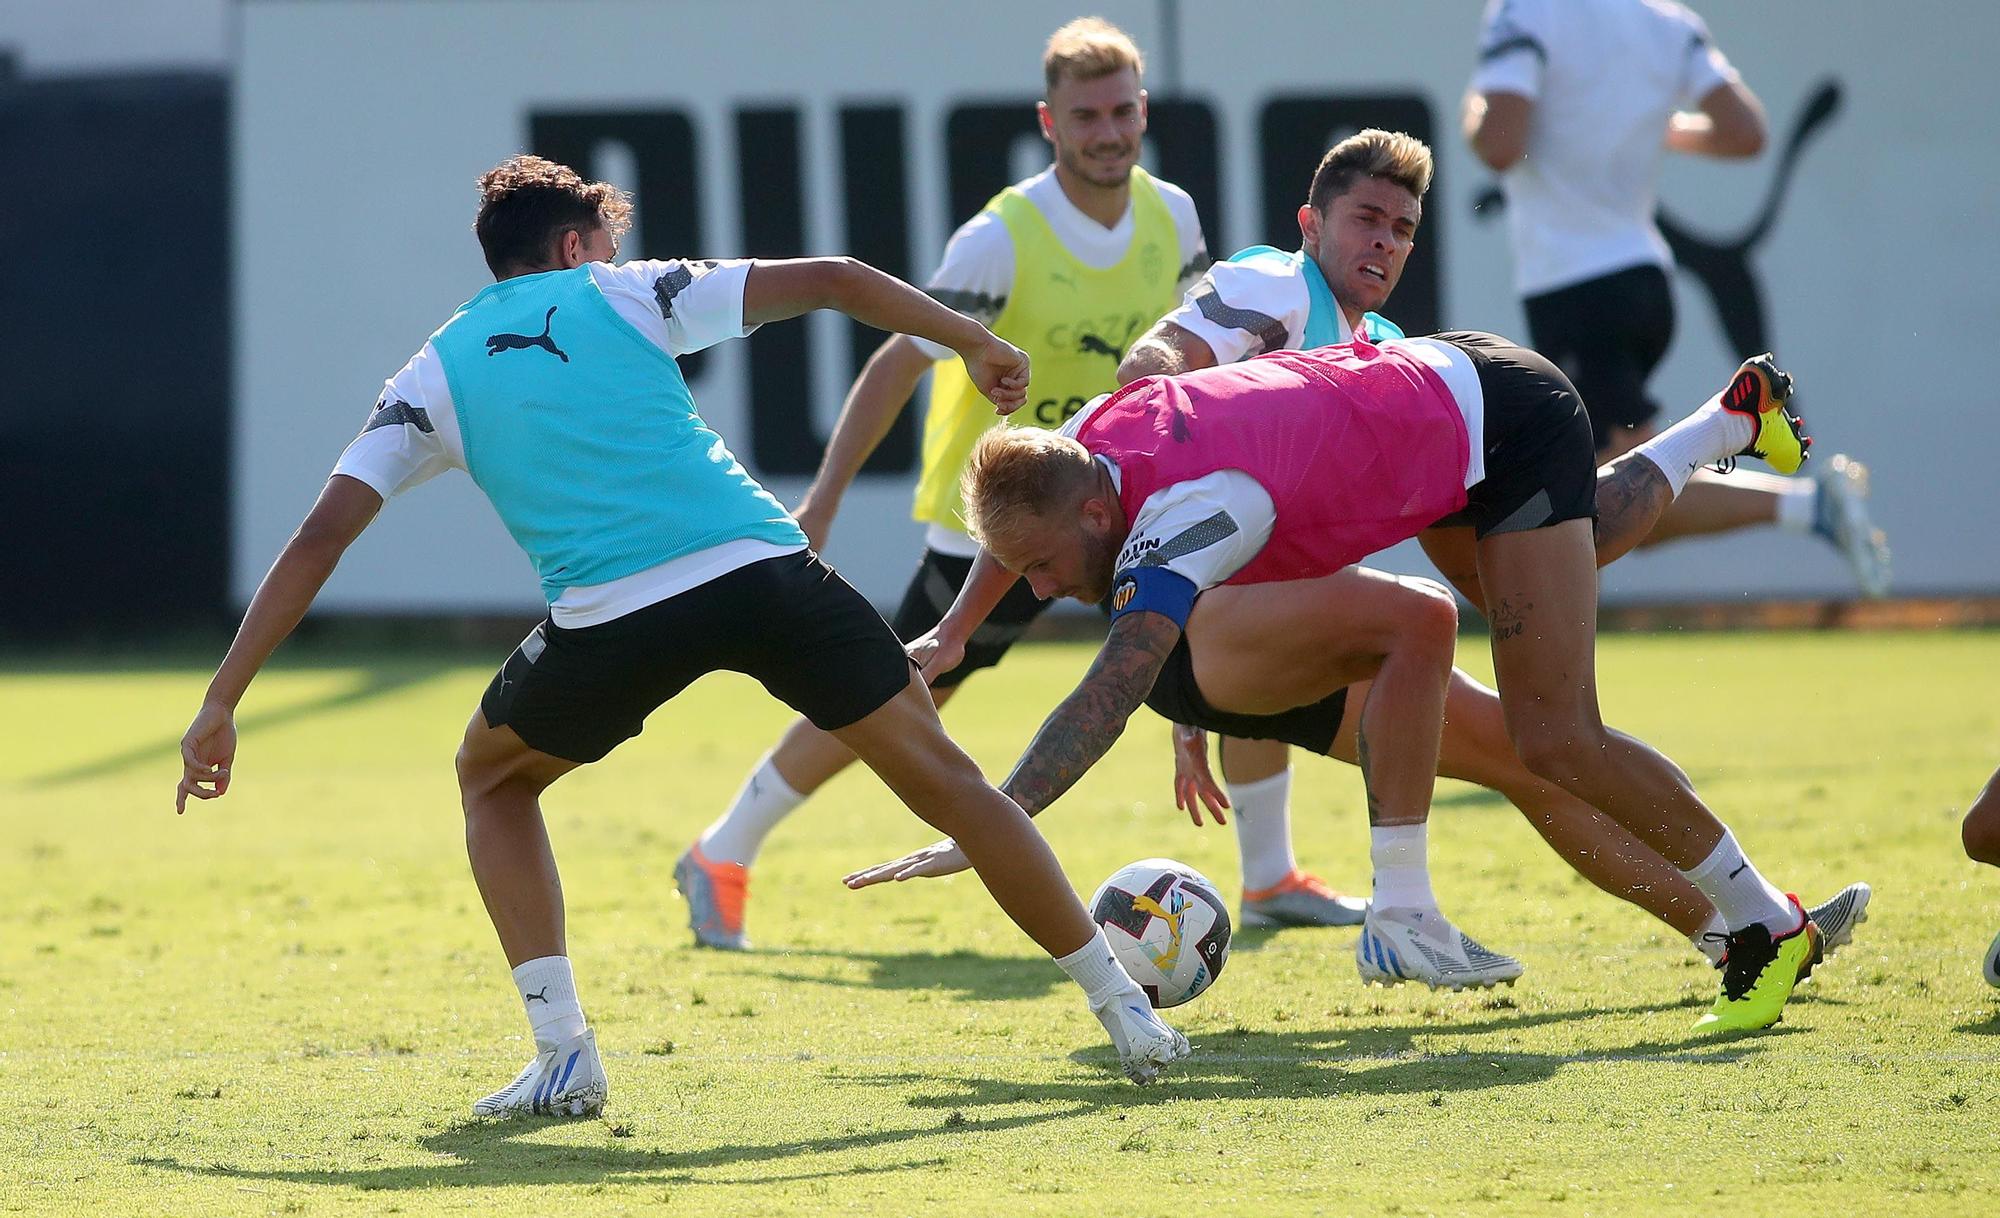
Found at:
<point>284,1002</point>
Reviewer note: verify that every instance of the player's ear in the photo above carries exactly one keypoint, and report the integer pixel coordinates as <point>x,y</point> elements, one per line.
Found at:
<point>1309,225</point>
<point>1047,120</point>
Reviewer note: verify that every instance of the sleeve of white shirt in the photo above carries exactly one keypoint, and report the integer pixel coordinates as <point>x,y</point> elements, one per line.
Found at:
<point>975,277</point>
<point>1204,530</point>
<point>1241,309</point>
<point>697,303</point>
<point>1187,224</point>
<point>400,446</point>
<point>1513,47</point>
<point>1706,65</point>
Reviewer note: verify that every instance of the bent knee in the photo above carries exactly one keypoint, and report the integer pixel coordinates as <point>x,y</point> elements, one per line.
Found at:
<point>1981,832</point>
<point>1428,614</point>
<point>1551,754</point>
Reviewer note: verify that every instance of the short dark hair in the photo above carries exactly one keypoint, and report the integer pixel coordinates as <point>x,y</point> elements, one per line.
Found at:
<point>526,203</point>
<point>1374,153</point>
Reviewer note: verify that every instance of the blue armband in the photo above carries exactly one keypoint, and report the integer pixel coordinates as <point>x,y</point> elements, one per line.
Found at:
<point>1153,590</point>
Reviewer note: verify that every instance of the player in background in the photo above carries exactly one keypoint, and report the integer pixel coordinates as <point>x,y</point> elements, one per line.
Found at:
<point>1068,265</point>
<point>1292,467</point>
<point>1575,105</point>
<point>1356,230</point>
<point>1981,833</point>
<point>556,389</point>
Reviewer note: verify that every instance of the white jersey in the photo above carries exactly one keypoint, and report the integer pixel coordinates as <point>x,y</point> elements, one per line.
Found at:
<point>1247,308</point>
<point>412,435</point>
<point>1604,76</point>
<point>977,272</point>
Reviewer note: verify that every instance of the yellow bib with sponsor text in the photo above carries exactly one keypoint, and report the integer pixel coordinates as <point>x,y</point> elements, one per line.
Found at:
<point>1073,320</point>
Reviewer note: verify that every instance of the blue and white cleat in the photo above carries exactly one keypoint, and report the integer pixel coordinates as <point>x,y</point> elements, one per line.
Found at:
<point>1840,518</point>
<point>1838,915</point>
<point>1399,945</point>
<point>1991,969</point>
<point>567,1080</point>
<point>1146,1045</point>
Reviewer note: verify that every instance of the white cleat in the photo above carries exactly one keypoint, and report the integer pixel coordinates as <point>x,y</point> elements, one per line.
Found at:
<point>1841,517</point>
<point>1991,969</point>
<point>1400,945</point>
<point>567,1080</point>
<point>1838,915</point>
<point>1145,1043</point>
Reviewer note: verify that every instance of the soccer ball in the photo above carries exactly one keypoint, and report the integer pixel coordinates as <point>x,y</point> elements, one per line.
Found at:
<point>1167,925</point>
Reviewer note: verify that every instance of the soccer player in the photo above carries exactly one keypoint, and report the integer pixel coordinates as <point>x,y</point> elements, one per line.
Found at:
<point>1576,106</point>
<point>1294,465</point>
<point>1356,230</point>
<point>1068,265</point>
<point>1982,844</point>
<point>556,389</point>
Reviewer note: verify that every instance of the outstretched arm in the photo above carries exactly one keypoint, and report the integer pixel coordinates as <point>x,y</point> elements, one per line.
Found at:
<point>1084,727</point>
<point>1729,125</point>
<point>773,291</point>
<point>878,396</point>
<point>1071,740</point>
<point>1165,350</point>
<point>345,507</point>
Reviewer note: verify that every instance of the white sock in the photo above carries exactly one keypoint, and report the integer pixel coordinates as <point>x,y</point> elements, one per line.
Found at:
<point>1739,893</point>
<point>1401,855</point>
<point>1798,504</point>
<point>548,991</point>
<point>1712,948</point>
<point>1703,438</point>
<point>766,799</point>
<point>1094,968</point>
<point>1264,828</point>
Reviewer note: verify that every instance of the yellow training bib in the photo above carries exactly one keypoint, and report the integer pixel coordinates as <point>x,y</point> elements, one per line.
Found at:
<point>1073,320</point>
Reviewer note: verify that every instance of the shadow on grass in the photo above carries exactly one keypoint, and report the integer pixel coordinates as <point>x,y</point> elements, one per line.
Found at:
<point>375,680</point>
<point>1355,1063</point>
<point>962,973</point>
<point>1989,1026</point>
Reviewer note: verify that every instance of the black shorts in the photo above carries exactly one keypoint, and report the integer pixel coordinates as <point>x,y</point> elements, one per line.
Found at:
<point>791,622</point>
<point>1175,697</point>
<point>1541,468</point>
<point>930,594</point>
<point>1608,334</point>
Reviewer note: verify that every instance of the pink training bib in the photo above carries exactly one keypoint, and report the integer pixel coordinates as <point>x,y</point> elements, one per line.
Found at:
<point>1359,448</point>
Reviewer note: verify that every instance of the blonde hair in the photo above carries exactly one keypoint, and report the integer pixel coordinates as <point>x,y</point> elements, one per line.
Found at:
<point>1088,48</point>
<point>1018,473</point>
<point>1401,158</point>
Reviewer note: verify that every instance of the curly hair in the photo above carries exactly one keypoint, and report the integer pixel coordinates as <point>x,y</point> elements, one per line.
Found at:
<point>1374,153</point>
<point>526,203</point>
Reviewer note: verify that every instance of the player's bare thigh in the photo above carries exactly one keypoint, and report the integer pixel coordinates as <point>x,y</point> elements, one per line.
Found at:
<point>1259,649</point>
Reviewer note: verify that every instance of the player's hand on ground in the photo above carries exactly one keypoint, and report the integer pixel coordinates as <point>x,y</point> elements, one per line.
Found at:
<point>936,654</point>
<point>1194,783</point>
<point>207,751</point>
<point>942,858</point>
<point>1000,370</point>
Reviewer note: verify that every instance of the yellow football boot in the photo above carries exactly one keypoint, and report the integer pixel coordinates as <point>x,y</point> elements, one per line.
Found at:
<point>1760,389</point>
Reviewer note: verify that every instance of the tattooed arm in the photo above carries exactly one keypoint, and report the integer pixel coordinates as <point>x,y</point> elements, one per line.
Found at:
<point>1081,730</point>
<point>1071,739</point>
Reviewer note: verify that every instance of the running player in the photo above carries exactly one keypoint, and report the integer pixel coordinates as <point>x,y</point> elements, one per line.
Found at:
<point>1069,265</point>
<point>1294,465</point>
<point>556,389</point>
<point>1576,106</point>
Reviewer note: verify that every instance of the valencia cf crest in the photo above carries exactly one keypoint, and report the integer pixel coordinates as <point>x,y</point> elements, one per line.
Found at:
<point>1121,596</point>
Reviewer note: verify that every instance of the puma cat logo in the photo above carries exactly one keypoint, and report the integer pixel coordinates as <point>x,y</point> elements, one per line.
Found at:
<point>496,343</point>
<point>542,997</point>
<point>1091,344</point>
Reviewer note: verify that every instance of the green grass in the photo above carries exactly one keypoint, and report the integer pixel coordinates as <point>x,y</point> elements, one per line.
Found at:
<point>283,1002</point>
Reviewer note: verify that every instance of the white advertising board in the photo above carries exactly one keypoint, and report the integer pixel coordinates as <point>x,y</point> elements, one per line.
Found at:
<point>789,126</point>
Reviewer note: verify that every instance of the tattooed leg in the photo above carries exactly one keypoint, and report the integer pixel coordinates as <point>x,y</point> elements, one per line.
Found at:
<point>1632,495</point>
